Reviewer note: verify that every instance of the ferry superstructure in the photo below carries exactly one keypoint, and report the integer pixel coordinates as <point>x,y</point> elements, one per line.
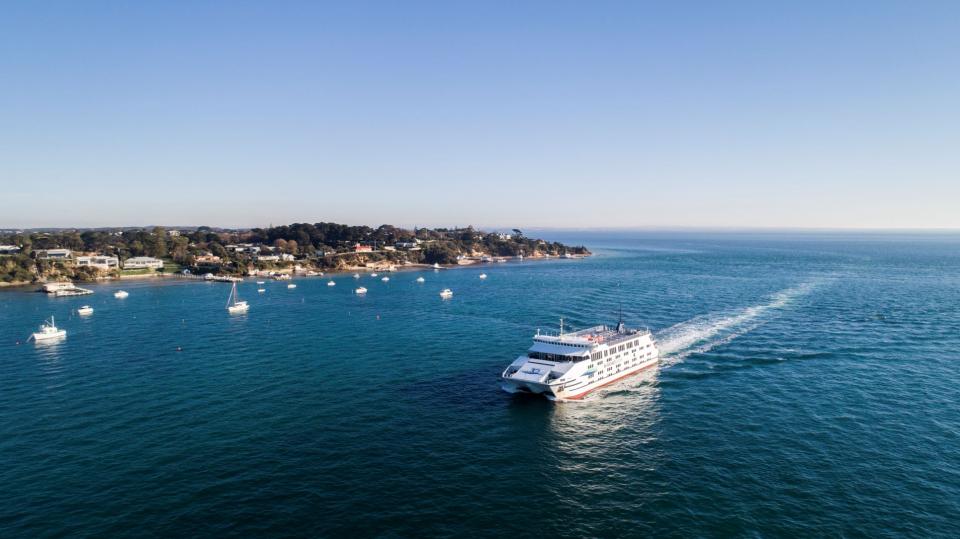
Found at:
<point>568,366</point>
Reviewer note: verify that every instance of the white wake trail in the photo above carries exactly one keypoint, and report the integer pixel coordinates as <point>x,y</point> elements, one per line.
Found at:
<point>705,332</point>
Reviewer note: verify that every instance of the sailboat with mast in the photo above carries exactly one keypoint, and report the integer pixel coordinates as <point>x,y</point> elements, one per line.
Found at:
<point>234,304</point>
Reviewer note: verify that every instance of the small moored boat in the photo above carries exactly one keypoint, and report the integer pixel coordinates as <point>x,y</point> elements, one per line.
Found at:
<point>421,280</point>
<point>291,285</point>
<point>331,283</point>
<point>385,279</point>
<point>446,293</point>
<point>361,290</point>
<point>483,275</point>
<point>48,331</point>
<point>121,294</point>
<point>85,310</point>
<point>234,304</point>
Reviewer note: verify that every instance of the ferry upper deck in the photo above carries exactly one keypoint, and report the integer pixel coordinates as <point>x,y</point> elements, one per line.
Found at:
<point>592,336</point>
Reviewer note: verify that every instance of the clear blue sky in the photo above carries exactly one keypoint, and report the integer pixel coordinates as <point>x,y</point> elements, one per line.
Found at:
<point>554,114</point>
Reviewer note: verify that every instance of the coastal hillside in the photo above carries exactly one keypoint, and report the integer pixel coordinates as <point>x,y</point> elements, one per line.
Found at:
<point>88,254</point>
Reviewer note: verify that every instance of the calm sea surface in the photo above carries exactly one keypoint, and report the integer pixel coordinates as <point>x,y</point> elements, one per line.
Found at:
<point>810,387</point>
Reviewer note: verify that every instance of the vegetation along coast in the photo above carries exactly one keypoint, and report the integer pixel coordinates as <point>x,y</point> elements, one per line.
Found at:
<point>49,255</point>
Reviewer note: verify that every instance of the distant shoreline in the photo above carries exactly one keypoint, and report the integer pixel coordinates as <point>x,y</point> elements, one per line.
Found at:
<point>36,286</point>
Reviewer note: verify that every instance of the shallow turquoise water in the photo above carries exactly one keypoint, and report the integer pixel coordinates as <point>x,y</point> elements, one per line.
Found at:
<point>809,388</point>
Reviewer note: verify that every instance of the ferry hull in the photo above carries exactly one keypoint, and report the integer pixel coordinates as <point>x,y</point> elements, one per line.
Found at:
<point>625,374</point>
<point>555,392</point>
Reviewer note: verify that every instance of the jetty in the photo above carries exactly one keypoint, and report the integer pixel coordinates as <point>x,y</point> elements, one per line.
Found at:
<point>64,289</point>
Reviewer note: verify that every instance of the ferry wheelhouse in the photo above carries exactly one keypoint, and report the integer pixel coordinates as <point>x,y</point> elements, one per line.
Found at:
<point>568,366</point>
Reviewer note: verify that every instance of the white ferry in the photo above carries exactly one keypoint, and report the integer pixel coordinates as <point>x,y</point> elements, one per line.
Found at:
<point>567,366</point>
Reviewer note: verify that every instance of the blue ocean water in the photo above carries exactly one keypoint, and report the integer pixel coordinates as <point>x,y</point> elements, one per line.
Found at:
<point>809,387</point>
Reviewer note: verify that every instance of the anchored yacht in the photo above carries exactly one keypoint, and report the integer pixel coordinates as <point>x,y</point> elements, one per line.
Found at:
<point>48,332</point>
<point>567,366</point>
<point>234,304</point>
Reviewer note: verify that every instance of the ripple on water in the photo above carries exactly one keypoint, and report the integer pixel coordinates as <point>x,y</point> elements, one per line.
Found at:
<point>808,388</point>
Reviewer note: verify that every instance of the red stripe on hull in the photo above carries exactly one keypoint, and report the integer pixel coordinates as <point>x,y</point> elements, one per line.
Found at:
<point>581,395</point>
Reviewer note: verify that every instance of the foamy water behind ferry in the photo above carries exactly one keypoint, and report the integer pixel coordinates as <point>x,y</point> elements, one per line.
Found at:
<point>809,387</point>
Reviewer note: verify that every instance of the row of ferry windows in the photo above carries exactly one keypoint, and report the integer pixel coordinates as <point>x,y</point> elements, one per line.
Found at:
<point>596,355</point>
<point>600,373</point>
<point>605,353</point>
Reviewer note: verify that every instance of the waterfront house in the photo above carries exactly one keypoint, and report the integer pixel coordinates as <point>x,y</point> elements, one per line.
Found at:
<point>267,258</point>
<point>54,254</point>
<point>207,258</point>
<point>143,262</point>
<point>9,250</point>
<point>358,248</point>
<point>102,262</point>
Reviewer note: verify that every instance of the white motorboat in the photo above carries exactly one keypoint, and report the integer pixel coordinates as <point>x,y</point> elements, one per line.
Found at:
<point>261,290</point>
<point>446,293</point>
<point>48,331</point>
<point>356,275</point>
<point>373,274</point>
<point>436,265</point>
<point>121,294</point>
<point>331,283</point>
<point>260,282</point>
<point>483,275</point>
<point>385,279</point>
<point>421,280</point>
<point>291,285</point>
<point>234,304</point>
<point>361,290</point>
<point>86,310</point>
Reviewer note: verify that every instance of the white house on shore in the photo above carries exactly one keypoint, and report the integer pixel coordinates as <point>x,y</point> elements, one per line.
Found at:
<point>55,254</point>
<point>9,250</point>
<point>99,261</point>
<point>141,262</point>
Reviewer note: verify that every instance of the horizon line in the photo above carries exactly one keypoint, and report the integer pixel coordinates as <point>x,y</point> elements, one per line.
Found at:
<point>640,228</point>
